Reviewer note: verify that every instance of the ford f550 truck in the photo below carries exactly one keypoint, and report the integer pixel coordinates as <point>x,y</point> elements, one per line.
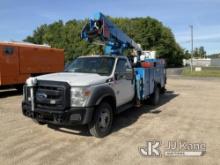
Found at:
<point>94,88</point>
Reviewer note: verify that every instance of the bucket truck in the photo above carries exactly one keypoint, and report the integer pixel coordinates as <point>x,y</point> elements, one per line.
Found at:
<point>93,89</point>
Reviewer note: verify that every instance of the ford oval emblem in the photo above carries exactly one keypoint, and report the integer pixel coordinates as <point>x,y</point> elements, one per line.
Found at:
<point>41,95</point>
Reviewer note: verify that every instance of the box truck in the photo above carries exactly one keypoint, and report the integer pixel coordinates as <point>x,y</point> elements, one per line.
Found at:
<point>19,61</point>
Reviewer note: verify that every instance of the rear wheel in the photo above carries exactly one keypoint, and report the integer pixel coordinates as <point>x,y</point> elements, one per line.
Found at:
<point>155,97</point>
<point>162,90</point>
<point>102,121</point>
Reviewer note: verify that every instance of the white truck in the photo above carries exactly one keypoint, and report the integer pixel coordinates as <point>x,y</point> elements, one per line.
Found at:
<point>93,89</point>
<point>90,91</point>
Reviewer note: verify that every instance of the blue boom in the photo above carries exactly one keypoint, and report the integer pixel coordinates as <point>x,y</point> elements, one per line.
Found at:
<point>150,72</point>
<point>101,30</point>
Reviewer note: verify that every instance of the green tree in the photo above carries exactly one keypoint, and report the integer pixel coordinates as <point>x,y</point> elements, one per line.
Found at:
<point>38,35</point>
<point>202,52</point>
<point>199,52</point>
<point>187,54</point>
<point>149,32</point>
<point>196,53</point>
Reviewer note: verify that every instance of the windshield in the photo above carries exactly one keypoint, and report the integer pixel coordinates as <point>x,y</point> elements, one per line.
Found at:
<point>99,65</point>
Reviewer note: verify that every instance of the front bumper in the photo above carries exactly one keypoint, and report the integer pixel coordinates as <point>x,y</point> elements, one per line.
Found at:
<point>72,116</point>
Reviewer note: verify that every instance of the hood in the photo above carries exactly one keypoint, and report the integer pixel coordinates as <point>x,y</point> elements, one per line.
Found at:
<point>75,79</point>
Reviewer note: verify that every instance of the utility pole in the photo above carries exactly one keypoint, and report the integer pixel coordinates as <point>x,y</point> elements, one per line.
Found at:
<point>191,28</point>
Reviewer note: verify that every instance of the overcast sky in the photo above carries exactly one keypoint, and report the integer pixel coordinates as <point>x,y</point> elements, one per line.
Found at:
<point>19,18</point>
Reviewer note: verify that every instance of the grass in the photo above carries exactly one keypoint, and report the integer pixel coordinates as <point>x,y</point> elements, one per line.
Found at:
<point>206,72</point>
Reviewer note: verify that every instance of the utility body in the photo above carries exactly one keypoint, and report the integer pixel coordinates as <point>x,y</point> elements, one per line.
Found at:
<point>92,89</point>
<point>19,61</point>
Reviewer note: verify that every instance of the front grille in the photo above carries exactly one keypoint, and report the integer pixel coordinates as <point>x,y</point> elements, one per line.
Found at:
<point>52,95</point>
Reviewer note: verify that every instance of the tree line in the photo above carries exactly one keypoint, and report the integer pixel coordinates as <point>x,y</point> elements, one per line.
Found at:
<point>215,55</point>
<point>197,53</point>
<point>149,32</point>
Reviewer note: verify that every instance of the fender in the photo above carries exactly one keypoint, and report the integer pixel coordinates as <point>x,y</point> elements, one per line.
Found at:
<point>99,94</point>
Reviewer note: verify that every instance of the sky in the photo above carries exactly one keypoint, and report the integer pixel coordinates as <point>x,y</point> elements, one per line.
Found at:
<point>19,18</point>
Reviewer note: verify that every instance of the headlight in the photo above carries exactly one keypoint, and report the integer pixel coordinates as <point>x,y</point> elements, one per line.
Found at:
<point>79,96</point>
<point>32,81</point>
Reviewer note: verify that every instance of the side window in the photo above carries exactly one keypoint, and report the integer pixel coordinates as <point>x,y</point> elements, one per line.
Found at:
<point>121,66</point>
<point>8,50</point>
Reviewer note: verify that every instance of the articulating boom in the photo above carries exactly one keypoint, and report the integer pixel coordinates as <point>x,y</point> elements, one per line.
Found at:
<point>101,30</point>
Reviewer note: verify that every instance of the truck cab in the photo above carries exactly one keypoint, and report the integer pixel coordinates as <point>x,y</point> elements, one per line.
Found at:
<point>90,91</point>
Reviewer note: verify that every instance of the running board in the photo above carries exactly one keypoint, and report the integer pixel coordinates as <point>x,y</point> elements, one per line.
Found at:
<point>124,107</point>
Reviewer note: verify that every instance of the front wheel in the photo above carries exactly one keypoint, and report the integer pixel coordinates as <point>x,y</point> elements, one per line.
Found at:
<point>102,121</point>
<point>38,122</point>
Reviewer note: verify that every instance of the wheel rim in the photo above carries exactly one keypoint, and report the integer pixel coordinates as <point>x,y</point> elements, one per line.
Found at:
<point>104,119</point>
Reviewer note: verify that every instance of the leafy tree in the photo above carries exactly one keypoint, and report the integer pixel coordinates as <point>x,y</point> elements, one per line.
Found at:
<point>202,52</point>
<point>38,34</point>
<point>187,54</point>
<point>149,32</point>
<point>199,52</point>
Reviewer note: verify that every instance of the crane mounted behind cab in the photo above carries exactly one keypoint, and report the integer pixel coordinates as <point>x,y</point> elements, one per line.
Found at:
<point>101,30</point>
<point>95,88</point>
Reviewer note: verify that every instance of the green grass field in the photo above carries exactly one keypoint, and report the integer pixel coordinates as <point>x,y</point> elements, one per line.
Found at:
<point>206,72</point>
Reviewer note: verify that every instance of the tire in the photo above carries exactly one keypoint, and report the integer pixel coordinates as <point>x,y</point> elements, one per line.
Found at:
<point>102,121</point>
<point>155,97</point>
<point>163,90</point>
<point>38,122</point>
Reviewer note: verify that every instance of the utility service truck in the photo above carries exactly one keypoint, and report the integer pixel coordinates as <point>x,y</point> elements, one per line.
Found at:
<point>92,89</point>
<point>19,61</point>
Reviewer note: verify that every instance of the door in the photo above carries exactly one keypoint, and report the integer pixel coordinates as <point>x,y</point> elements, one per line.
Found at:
<point>9,65</point>
<point>124,89</point>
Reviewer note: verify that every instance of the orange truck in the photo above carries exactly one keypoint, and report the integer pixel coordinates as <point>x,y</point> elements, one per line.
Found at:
<point>18,61</point>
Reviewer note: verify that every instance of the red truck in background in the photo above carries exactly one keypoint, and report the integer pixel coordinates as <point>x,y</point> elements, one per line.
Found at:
<point>19,61</point>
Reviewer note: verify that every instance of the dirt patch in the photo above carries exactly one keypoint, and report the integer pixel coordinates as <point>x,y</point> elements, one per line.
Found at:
<point>188,111</point>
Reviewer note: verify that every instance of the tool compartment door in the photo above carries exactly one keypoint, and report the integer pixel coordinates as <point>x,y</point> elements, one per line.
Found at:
<point>9,65</point>
<point>146,81</point>
<point>143,78</point>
